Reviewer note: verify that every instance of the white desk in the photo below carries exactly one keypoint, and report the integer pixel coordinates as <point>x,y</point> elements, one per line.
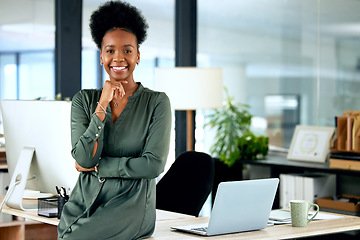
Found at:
<point>32,215</point>
<point>286,231</point>
<point>17,230</point>
<point>166,219</point>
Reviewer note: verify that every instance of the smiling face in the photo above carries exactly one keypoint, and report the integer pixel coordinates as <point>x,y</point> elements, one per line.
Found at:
<point>119,54</point>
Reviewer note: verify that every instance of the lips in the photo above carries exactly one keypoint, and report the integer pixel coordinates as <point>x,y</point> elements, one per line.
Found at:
<point>119,69</point>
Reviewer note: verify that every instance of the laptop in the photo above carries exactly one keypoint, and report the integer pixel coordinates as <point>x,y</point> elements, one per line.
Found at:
<point>239,206</point>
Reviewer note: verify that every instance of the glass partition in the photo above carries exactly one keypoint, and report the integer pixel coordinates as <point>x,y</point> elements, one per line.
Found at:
<point>8,76</point>
<point>36,75</point>
<point>305,48</point>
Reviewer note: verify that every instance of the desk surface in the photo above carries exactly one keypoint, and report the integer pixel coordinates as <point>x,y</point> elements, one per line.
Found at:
<point>161,215</point>
<point>286,231</point>
<point>28,214</point>
<point>165,220</point>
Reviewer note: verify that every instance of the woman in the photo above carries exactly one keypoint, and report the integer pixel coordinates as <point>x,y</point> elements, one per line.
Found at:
<point>120,136</point>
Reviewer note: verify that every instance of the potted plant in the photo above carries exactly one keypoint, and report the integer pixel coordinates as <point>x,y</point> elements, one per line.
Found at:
<point>233,141</point>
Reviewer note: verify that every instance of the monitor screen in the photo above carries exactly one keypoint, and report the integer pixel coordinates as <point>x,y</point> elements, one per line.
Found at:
<point>43,126</point>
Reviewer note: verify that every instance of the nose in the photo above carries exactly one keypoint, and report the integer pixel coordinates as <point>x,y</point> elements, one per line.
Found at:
<point>118,56</point>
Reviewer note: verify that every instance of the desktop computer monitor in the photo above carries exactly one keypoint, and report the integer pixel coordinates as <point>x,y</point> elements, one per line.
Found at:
<point>38,147</point>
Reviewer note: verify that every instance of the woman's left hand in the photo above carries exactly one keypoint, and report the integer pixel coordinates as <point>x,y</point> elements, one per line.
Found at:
<point>81,169</point>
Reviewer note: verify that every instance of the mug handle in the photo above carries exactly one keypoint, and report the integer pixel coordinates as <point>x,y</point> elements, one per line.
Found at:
<point>317,211</point>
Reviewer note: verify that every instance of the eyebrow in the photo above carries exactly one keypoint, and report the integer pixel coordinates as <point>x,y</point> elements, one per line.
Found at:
<point>126,45</point>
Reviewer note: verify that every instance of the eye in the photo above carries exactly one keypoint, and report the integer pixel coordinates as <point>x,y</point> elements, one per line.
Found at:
<point>110,51</point>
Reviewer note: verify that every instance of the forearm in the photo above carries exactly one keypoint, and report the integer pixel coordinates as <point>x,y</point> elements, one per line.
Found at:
<point>144,167</point>
<point>100,112</point>
<point>87,149</point>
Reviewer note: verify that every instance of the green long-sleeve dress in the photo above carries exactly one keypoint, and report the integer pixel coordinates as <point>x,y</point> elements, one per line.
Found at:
<point>118,201</point>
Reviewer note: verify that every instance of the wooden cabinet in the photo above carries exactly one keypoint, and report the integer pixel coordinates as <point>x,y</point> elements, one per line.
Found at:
<point>27,230</point>
<point>22,228</point>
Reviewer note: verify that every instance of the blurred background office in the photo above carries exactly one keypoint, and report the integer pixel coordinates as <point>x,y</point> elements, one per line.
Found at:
<point>293,61</point>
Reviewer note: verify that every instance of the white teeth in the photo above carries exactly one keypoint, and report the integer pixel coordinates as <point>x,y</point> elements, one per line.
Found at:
<point>119,68</point>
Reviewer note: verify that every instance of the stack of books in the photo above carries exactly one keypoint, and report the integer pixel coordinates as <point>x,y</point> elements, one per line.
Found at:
<point>348,132</point>
<point>3,164</point>
<point>345,152</point>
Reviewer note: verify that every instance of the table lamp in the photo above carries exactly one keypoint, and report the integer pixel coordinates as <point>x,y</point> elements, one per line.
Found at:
<point>191,88</point>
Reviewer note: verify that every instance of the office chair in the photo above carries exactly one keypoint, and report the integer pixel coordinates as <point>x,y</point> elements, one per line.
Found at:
<point>187,184</point>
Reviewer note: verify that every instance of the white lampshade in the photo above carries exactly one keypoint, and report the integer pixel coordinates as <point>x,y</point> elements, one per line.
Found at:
<point>191,88</point>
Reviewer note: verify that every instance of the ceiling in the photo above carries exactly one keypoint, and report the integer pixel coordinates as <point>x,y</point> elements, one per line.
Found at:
<point>31,26</point>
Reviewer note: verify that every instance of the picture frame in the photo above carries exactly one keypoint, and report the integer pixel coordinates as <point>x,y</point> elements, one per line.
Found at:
<point>310,143</point>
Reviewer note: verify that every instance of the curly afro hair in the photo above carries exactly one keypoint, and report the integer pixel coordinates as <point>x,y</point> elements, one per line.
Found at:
<point>117,14</point>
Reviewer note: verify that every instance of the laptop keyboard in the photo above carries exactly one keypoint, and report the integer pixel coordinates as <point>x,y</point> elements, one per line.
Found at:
<point>201,229</point>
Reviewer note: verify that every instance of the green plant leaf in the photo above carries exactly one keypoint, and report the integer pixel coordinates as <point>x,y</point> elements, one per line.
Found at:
<point>233,139</point>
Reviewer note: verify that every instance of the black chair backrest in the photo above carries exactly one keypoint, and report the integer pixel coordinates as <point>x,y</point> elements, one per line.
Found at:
<point>187,184</point>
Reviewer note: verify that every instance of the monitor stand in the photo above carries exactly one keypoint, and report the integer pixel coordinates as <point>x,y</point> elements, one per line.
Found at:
<point>18,181</point>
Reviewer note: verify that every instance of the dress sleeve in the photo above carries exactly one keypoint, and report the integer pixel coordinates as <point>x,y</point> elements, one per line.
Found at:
<point>86,129</point>
<point>154,155</point>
